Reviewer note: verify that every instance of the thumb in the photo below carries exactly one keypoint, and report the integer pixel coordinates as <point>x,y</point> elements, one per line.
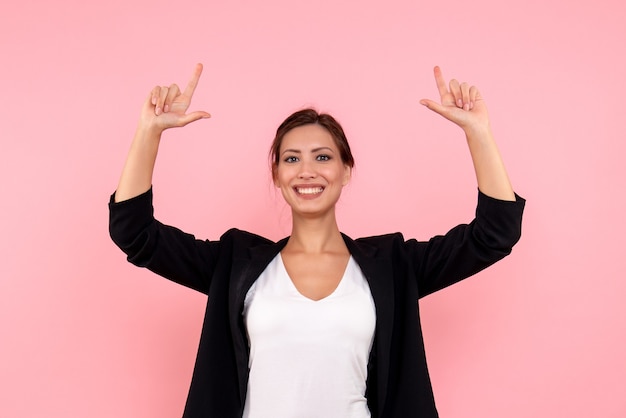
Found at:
<point>435,107</point>
<point>193,116</point>
<point>452,113</point>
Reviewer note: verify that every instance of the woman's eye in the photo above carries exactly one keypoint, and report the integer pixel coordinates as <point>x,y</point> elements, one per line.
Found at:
<point>323,157</point>
<point>291,159</point>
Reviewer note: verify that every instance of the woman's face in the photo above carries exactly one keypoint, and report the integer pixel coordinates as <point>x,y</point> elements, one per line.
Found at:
<point>310,173</point>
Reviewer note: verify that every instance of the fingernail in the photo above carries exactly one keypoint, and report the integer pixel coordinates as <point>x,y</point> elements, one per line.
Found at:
<point>166,108</point>
<point>466,106</point>
<point>157,111</point>
<point>459,103</point>
<point>471,105</point>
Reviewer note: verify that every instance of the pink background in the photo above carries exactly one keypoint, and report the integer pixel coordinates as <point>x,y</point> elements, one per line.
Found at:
<point>85,334</point>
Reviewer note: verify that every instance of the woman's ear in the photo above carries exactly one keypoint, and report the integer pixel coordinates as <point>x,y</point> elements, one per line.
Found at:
<point>347,175</point>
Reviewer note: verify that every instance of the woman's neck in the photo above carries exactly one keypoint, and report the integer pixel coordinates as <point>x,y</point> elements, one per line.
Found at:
<point>315,235</point>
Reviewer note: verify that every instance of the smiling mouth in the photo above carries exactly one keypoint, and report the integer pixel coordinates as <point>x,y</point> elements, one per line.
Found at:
<point>309,190</point>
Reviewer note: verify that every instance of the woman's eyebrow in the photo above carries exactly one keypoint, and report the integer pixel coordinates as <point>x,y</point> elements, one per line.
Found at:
<point>322,149</point>
<point>296,151</point>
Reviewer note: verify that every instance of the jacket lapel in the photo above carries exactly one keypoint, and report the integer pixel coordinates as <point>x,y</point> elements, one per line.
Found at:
<point>378,271</point>
<point>245,270</point>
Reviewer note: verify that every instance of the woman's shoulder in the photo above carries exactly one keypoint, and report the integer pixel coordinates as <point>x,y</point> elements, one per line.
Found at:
<point>384,238</point>
<point>240,236</point>
<point>376,242</point>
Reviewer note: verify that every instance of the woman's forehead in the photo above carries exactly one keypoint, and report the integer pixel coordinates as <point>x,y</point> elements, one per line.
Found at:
<point>308,137</point>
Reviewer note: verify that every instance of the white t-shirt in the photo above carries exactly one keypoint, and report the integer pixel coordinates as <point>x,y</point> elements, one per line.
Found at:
<point>308,359</point>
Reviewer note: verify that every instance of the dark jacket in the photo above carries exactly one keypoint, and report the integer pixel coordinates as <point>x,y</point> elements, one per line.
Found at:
<point>399,272</point>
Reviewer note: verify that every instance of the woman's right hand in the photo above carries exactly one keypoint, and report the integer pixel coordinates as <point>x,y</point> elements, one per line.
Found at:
<point>166,107</point>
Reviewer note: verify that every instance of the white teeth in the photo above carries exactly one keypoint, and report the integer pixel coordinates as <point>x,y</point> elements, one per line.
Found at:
<point>309,190</point>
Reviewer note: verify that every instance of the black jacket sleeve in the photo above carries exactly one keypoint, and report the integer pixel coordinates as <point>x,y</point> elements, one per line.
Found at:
<point>163,249</point>
<point>468,248</point>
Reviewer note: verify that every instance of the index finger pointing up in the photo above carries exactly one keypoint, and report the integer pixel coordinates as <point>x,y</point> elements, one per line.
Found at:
<point>191,86</point>
<point>441,83</point>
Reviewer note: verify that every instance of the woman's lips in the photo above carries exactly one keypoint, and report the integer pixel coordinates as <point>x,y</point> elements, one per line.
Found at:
<point>309,190</point>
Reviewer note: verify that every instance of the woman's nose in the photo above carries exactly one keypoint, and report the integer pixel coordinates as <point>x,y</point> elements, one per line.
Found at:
<point>307,170</point>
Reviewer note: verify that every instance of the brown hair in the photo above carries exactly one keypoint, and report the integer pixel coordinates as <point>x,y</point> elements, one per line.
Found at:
<point>311,117</point>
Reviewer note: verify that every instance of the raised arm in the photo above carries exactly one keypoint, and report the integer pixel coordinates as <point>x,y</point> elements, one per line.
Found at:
<point>463,105</point>
<point>164,108</point>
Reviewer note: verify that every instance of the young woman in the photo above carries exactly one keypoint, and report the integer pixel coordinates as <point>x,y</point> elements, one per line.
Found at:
<point>317,324</point>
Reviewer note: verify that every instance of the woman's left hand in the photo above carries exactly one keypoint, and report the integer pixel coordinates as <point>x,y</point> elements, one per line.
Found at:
<point>460,103</point>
